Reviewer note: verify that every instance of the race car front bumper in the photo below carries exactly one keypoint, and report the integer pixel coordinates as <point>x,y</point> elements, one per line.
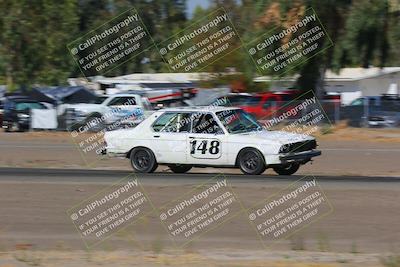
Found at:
<point>300,156</point>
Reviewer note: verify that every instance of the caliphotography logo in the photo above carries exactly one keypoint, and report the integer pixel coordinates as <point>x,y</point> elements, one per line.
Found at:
<point>200,210</point>
<point>280,50</point>
<point>110,211</point>
<point>111,44</point>
<point>290,210</point>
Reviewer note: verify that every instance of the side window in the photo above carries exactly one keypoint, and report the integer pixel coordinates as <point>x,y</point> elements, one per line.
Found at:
<point>204,123</point>
<point>163,121</point>
<point>184,122</point>
<point>114,101</point>
<point>357,102</point>
<point>172,123</point>
<point>129,101</point>
<point>120,101</point>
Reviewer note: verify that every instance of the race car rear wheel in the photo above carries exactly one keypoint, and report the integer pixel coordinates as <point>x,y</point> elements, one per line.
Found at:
<point>287,169</point>
<point>180,168</point>
<point>251,161</point>
<point>143,160</point>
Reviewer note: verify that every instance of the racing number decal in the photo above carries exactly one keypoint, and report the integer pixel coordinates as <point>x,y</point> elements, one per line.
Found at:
<point>213,149</point>
<point>205,148</point>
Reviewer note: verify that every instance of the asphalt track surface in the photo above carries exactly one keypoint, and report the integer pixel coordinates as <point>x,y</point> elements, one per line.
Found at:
<point>350,158</point>
<point>82,175</point>
<point>34,203</point>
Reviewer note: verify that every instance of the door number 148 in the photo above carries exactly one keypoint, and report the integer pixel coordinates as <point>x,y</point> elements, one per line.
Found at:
<point>203,147</point>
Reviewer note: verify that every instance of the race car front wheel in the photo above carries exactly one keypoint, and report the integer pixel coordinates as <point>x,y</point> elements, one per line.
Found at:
<point>251,161</point>
<point>143,160</point>
<point>288,169</point>
<point>180,168</point>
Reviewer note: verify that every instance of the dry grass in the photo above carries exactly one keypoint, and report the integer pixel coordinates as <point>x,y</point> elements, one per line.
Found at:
<point>181,259</point>
<point>341,132</point>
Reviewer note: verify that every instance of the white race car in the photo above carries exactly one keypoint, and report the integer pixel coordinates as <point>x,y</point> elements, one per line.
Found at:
<point>209,136</point>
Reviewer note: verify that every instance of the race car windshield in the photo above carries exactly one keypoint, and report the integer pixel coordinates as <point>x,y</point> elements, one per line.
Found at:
<point>238,121</point>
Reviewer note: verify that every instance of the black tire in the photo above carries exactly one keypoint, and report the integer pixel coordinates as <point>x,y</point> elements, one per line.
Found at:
<point>15,127</point>
<point>21,129</point>
<point>251,161</point>
<point>288,169</point>
<point>143,160</point>
<point>180,168</point>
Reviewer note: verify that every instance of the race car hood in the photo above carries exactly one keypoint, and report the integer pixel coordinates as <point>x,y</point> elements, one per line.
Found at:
<point>280,137</point>
<point>85,107</point>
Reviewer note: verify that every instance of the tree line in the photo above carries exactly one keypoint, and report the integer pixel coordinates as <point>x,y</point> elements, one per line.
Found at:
<point>34,35</point>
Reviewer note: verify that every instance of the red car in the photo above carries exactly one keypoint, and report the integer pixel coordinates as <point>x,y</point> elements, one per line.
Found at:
<point>262,105</point>
<point>265,105</point>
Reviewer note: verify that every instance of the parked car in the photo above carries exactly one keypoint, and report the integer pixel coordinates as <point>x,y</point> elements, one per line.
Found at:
<point>17,112</point>
<point>262,105</point>
<point>373,111</point>
<point>231,100</point>
<point>1,110</point>
<point>387,114</point>
<point>388,119</point>
<point>209,136</point>
<point>106,110</point>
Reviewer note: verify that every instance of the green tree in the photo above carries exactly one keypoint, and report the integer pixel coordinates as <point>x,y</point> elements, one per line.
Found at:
<point>365,39</point>
<point>363,32</point>
<point>33,36</point>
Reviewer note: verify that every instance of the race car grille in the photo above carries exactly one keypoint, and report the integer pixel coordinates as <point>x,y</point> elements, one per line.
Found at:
<point>298,147</point>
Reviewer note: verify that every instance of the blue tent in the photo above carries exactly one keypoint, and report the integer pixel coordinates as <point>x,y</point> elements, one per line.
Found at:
<point>68,94</point>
